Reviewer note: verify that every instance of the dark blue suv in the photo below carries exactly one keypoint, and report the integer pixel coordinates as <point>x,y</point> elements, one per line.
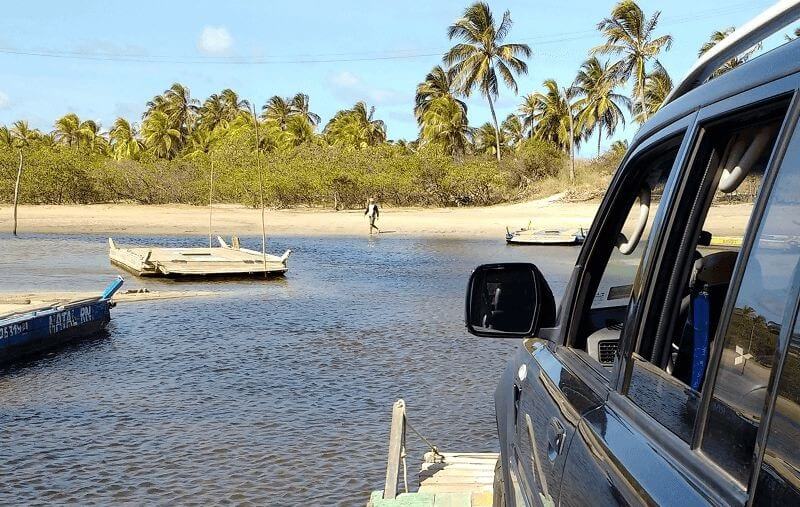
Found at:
<point>670,372</point>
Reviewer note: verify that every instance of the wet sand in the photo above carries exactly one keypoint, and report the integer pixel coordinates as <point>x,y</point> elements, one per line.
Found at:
<point>485,222</point>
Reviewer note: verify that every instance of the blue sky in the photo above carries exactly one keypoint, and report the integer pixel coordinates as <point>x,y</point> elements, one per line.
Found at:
<point>352,45</point>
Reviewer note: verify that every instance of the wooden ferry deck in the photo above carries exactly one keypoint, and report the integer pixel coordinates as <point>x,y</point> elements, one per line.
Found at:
<point>455,479</point>
<point>223,260</point>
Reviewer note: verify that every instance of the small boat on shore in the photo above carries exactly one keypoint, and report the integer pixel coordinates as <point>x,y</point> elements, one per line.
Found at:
<point>530,236</point>
<point>39,329</point>
<point>224,260</point>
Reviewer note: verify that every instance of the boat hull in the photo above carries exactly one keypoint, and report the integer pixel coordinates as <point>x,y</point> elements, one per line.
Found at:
<point>545,241</point>
<point>546,237</point>
<point>29,333</point>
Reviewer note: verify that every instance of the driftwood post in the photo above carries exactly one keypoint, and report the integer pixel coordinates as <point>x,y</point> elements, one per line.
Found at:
<point>16,191</point>
<point>396,438</point>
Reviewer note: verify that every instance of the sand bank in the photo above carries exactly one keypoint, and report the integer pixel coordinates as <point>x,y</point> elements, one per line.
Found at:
<point>485,222</point>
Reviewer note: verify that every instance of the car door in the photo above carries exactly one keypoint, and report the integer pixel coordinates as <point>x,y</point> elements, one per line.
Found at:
<point>649,443</point>
<point>548,401</point>
<point>549,386</point>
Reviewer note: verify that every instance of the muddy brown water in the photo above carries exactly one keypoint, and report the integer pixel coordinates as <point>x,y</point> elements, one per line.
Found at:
<point>275,392</point>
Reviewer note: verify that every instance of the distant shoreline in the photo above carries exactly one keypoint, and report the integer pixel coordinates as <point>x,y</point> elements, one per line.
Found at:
<point>463,223</point>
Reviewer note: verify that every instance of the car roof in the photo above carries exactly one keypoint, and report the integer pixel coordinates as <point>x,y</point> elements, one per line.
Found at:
<point>775,64</point>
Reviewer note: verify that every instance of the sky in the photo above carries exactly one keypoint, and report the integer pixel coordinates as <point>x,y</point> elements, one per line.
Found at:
<point>104,59</point>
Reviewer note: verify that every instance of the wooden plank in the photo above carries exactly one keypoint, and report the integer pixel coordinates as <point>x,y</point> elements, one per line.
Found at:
<point>396,436</point>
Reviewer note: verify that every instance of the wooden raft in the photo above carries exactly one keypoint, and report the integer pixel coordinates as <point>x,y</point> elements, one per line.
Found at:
<point>223,260</point>
<point>456,479</point>
<point>453,479</point>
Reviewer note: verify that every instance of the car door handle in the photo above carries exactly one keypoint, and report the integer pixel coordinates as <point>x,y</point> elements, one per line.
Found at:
<point>555,438</point>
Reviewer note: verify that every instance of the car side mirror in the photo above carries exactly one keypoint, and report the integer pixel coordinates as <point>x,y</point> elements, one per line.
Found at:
<point>510,300</point>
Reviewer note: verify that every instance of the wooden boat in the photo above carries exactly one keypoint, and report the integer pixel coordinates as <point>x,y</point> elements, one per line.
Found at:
<point>31,331</point>
<point>529,236</point>
<point>223,260</point>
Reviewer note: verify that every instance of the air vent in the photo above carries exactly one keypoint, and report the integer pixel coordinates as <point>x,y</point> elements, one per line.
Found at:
<point>606,351</point>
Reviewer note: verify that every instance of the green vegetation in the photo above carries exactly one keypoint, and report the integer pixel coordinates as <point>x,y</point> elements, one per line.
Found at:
<point>181,142</point>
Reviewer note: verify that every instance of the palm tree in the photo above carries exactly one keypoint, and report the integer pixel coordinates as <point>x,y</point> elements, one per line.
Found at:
<point>630,34</point>
<point>160,136</point>
<point>47,140</point>
<point>529,113</point>
<point>717,37</point>
<point>68,129</point>
<point>22,136</point>
<point>657,86</point>
<point>278,110</point>
<point>212,112</point>
<point>513,130</point>
<point>444,123</point>
<point>437,84</point>
<point>486,137</point>
<point>124,140</point>
<point>482,55</point>
<point>6,139</point>
<point>618,148</point>
<point>91,136</point>
<point>356,127</point>
<point>554,118</point>
<point>232,105</point>
<point>599,107</point>
<point>302,107</point>
<point>179,107</point>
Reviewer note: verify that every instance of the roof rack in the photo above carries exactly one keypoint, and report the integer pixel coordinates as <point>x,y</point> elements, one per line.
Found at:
<point>748,35</point>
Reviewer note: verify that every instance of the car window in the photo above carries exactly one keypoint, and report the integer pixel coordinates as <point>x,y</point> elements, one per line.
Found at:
<point>779,477</point>
<point>750,341</point>
<point>617,258</point>
<point>672,352</point>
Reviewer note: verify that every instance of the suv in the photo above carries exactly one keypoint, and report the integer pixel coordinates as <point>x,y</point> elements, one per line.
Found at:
<point>670,374</point>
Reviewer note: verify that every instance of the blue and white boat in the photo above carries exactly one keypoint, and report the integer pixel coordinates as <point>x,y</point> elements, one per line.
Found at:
<point>29,332</point>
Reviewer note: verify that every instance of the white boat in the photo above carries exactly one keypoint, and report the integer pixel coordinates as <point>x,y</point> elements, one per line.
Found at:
<point>530,236</point>
<point>223,260</point>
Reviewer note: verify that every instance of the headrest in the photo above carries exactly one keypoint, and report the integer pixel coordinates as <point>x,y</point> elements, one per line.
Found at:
<point>716,268</point>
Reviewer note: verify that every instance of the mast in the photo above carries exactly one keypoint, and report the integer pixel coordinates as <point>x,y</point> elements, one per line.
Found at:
<point>210,202</point>
<point>260,192</point>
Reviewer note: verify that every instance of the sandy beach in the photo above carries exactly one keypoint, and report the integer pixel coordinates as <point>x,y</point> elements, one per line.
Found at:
<point>233,219</point>
<point>485,222</point>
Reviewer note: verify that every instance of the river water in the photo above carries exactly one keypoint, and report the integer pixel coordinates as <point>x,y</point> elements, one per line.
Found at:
<point>275,392</point>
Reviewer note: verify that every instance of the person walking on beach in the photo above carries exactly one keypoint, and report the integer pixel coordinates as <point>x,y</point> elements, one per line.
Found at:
<point>372,212</point>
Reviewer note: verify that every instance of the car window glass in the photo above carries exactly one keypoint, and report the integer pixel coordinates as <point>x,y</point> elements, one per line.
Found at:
<point>779,478</point>
<point>671,357</point>
<point>750,341</point>
<point>617,260</point>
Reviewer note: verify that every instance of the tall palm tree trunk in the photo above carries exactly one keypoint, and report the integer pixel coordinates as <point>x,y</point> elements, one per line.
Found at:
<point>16,191</point>
<point>641,77</point>
<point>599,137</point>
<point>496,126</point>
<point>571,149</point>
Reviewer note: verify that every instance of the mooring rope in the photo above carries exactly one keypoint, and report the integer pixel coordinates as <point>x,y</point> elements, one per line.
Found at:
<point>432,447</point>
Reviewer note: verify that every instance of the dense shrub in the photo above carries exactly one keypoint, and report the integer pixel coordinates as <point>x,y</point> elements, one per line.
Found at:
<point>312,174</point>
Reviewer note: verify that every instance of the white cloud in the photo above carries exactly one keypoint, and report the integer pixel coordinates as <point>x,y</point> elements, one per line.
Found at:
<point>348,86</point>
<point>215,40</point>
<point>345,79</point>
<point>4,101</point>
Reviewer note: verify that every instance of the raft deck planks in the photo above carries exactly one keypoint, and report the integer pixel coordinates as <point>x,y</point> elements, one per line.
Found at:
<point>452,479</point>
<point>223,260</point>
